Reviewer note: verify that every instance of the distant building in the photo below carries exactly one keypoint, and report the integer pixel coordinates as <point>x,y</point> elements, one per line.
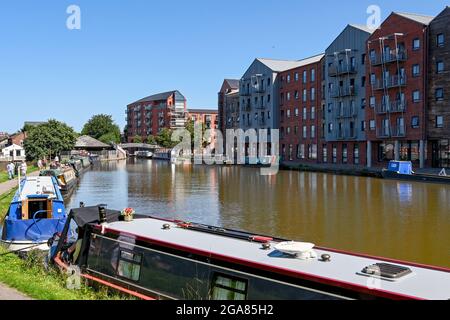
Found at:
<point>148,116</point>
<point>396,96</point>
<point>208,117</point>
<point>300,101</point>
<point>345,97</point>
<point>438,112</point>
<point>17,138</point>
<point>229,105</point>
<point>88,143</point>
<point>12,153</point>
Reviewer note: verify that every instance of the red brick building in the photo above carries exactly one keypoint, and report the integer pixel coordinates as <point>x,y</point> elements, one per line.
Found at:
<point>300,117</point>
<point>148,116</point>
<point>396,98</point>
<point>209,117</point>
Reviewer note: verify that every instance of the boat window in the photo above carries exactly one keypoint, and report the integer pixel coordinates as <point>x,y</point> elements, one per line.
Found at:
<point>228,288</point>
<point>129,265</point>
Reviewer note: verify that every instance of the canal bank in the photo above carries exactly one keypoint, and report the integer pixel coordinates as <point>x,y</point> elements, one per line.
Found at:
<point>400,220</point>
<point>338,169</point>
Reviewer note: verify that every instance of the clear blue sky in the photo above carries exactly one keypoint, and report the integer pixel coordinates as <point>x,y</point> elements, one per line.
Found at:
<point>126,50</point>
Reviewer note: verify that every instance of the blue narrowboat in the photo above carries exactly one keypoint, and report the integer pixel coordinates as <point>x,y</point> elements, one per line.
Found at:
<point>403,170</point>
<point>36,213</point>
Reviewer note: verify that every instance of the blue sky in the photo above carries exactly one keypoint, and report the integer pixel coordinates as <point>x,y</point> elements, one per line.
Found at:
<point>127,50</point>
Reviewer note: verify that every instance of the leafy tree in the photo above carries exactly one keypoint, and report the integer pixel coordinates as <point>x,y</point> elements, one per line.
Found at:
<point>150,140</point>
<point>49,139</point>
<point>164,139</point>
<point>137,139</point>
<point>102,126</point>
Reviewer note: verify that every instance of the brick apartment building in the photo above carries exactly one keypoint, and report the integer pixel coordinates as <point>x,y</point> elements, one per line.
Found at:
<point>438,128</point>
<point>208,117</point>
<point>229,105</point>
<point>148,116</point>
<point>300,102</point>
<point>397,92</point>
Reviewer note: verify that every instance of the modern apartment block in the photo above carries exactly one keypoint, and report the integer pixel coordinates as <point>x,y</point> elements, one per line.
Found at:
<point>397,91</point>
<point>208,117</point>
<point>229,105</point>
<point>438,129</point>
<point>345,97</point>
<point>148,116</point>
<point>300,101</point>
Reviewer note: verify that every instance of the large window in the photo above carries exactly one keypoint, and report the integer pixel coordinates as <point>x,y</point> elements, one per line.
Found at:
<point>344,154</point>
<point>439,94</point>
<point>415,122</point>
<point>416,44</point>
<point>416,70</point>
<point>440,40</point>
<point>129,265</point>
<point>226,287</point>
<point>439,121</point>
<point>356,154</point>
<point>440,66</point>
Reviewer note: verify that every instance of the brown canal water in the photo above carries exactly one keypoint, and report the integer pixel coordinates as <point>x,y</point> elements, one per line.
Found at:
<point>401,220</point>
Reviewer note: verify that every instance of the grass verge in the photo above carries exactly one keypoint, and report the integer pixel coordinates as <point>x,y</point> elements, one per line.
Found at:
<point>4,174</point>
<point>30,277</point>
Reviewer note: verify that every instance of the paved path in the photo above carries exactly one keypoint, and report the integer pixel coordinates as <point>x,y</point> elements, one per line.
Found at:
<point>7,293</point>
<point>8,185</point>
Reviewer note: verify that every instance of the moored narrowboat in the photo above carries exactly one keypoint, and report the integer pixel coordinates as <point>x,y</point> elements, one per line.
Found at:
<point>36,213</point>
<point>403,170</point>
<point>154,258</point>
<point>65,176</point>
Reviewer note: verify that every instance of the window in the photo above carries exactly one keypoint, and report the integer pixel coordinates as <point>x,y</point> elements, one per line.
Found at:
<point>439,94</point>
<point>363,59</point>
<point>313,113</point>
<point>301,151</point>
<point>416,44</point>
<point>440,66</point>
<point>330,128</point>
<point>226,287</point>
<point>372,125</point>
<point>268,98</point>
<point>288,78</point>
<point>305,76</point>
<point>363,126</point>
<point>296,95</point>
<point>416,70</point>
<point>296,76</point>
<point>334,154</point>
<point>324,153</point>
<point>440,40</point>
<point>305,132</point>
<point>363,82</point>
<point>415,122</point>
<point>313,75</point>
<point>356,154</point>
<point>439,122</point>
<point>312,151</point>
<point>305,113</point>
<point>344,154</point>
<point>288,113</point>
<point>296,130</point>
<point>288,96</point>
<point>305,95</point>
<point>313,94</point>
<point>296,112</point>
<point>372,102</point>
<point>129,265</point>
<point>373,79</point>
<point>416,96</point>
<point>330,107</point>
<point>313,132</point>
<point>363,103</point>
<point>288,130</point>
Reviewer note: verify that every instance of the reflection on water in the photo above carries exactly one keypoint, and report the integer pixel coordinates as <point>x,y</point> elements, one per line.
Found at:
<point>401,220</point>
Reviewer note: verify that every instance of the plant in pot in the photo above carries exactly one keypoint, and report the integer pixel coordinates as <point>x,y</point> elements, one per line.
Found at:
<point>128,214</point>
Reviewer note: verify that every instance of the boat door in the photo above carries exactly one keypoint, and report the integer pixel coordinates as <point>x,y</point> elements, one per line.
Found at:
<point>37,208</point>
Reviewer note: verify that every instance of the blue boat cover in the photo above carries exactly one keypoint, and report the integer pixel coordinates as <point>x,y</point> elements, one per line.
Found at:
<point>38,230</point>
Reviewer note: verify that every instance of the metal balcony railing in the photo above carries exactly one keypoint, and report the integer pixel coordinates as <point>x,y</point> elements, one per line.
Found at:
<point>399,131</point>
<point>391,57</point>
<point>343,92</point>
<point>392,107</point>
<point>391,82</point>
<point>335,71</point>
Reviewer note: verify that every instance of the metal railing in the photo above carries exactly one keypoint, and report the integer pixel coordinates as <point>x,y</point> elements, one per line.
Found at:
<point>391,82</point>
<point>391,107</point>
<point>391,57</point>
<point>334,71</point>
<point>343,92</point>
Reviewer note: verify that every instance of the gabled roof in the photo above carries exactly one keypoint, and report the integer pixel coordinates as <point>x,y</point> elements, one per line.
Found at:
<point>361,27</point>
<point>284,65</point>
<point>424,19</point>
<point>232,83</point>
<point>89,142</point>
<point>159,96</point>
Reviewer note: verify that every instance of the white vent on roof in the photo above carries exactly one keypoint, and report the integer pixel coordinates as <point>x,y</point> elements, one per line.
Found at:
<point>301,250</point>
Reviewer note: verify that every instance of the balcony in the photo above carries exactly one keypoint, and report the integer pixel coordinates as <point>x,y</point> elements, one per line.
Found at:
<point>343,92</point>
<point>245,93</point>
<point>392,107</point>
<point>346,113</point>
<point>383,132</point>
<point>263,107</point>
<point>391,82</point>
<point>246,107</point>
<point>336,71</point>
<point>399,131</point>
<point>259,89</point>
<point>391,57</point>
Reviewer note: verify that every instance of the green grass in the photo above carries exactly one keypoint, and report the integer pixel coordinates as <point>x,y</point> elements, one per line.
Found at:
<point>4,174</point>
<point>30,277</point>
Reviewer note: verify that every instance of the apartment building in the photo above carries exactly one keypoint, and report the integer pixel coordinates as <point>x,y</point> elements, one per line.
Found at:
<point>345,97</point>
<point>397,92</point>
<point>300,101</point>
<point>208,117</point>
<point>229,105</point>
<point>148,116</point>
<point>438,111</point>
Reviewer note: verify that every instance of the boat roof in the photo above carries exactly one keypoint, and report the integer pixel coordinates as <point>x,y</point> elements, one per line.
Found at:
<point>344,269</point>
<point>37,186</point>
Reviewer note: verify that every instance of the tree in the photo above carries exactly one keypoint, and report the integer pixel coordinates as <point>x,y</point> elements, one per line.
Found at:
<point>164,139</point>
<point>137,139</point>
<point>103,128</point>
<point>150,140</point>
<point>49,139</point>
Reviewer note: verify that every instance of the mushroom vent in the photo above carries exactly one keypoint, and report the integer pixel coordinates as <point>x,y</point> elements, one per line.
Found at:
<point>387,270</point>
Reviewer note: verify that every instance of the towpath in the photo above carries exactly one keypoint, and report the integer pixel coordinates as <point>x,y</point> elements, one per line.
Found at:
<point>9,185</point>
<point>7,293</point>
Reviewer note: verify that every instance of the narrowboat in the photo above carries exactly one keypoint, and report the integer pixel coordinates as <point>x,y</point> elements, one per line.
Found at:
<point>153,258</point>
<point>403,170</point>
<point>65,176</point>
<point>35,214</point>
<point>144,154</point>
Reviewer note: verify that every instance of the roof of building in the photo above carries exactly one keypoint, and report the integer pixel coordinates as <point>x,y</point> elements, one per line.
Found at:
<point>424,19</point>
<point>34,123</point>
<point>159,96</point>
<point>89,142</point>
<point>283,65</point>
<point>233,83</point>
<point>208,111</point>
<point>361,27</point>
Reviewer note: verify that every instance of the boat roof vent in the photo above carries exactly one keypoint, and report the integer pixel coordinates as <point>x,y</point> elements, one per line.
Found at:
<point>386,270</point>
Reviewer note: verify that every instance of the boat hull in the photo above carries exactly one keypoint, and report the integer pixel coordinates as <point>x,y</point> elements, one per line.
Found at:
<point>24,246</point>
<point>415,177</point>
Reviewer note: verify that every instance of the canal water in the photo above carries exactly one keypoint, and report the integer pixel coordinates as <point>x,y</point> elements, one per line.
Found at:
<point>401,220</point>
